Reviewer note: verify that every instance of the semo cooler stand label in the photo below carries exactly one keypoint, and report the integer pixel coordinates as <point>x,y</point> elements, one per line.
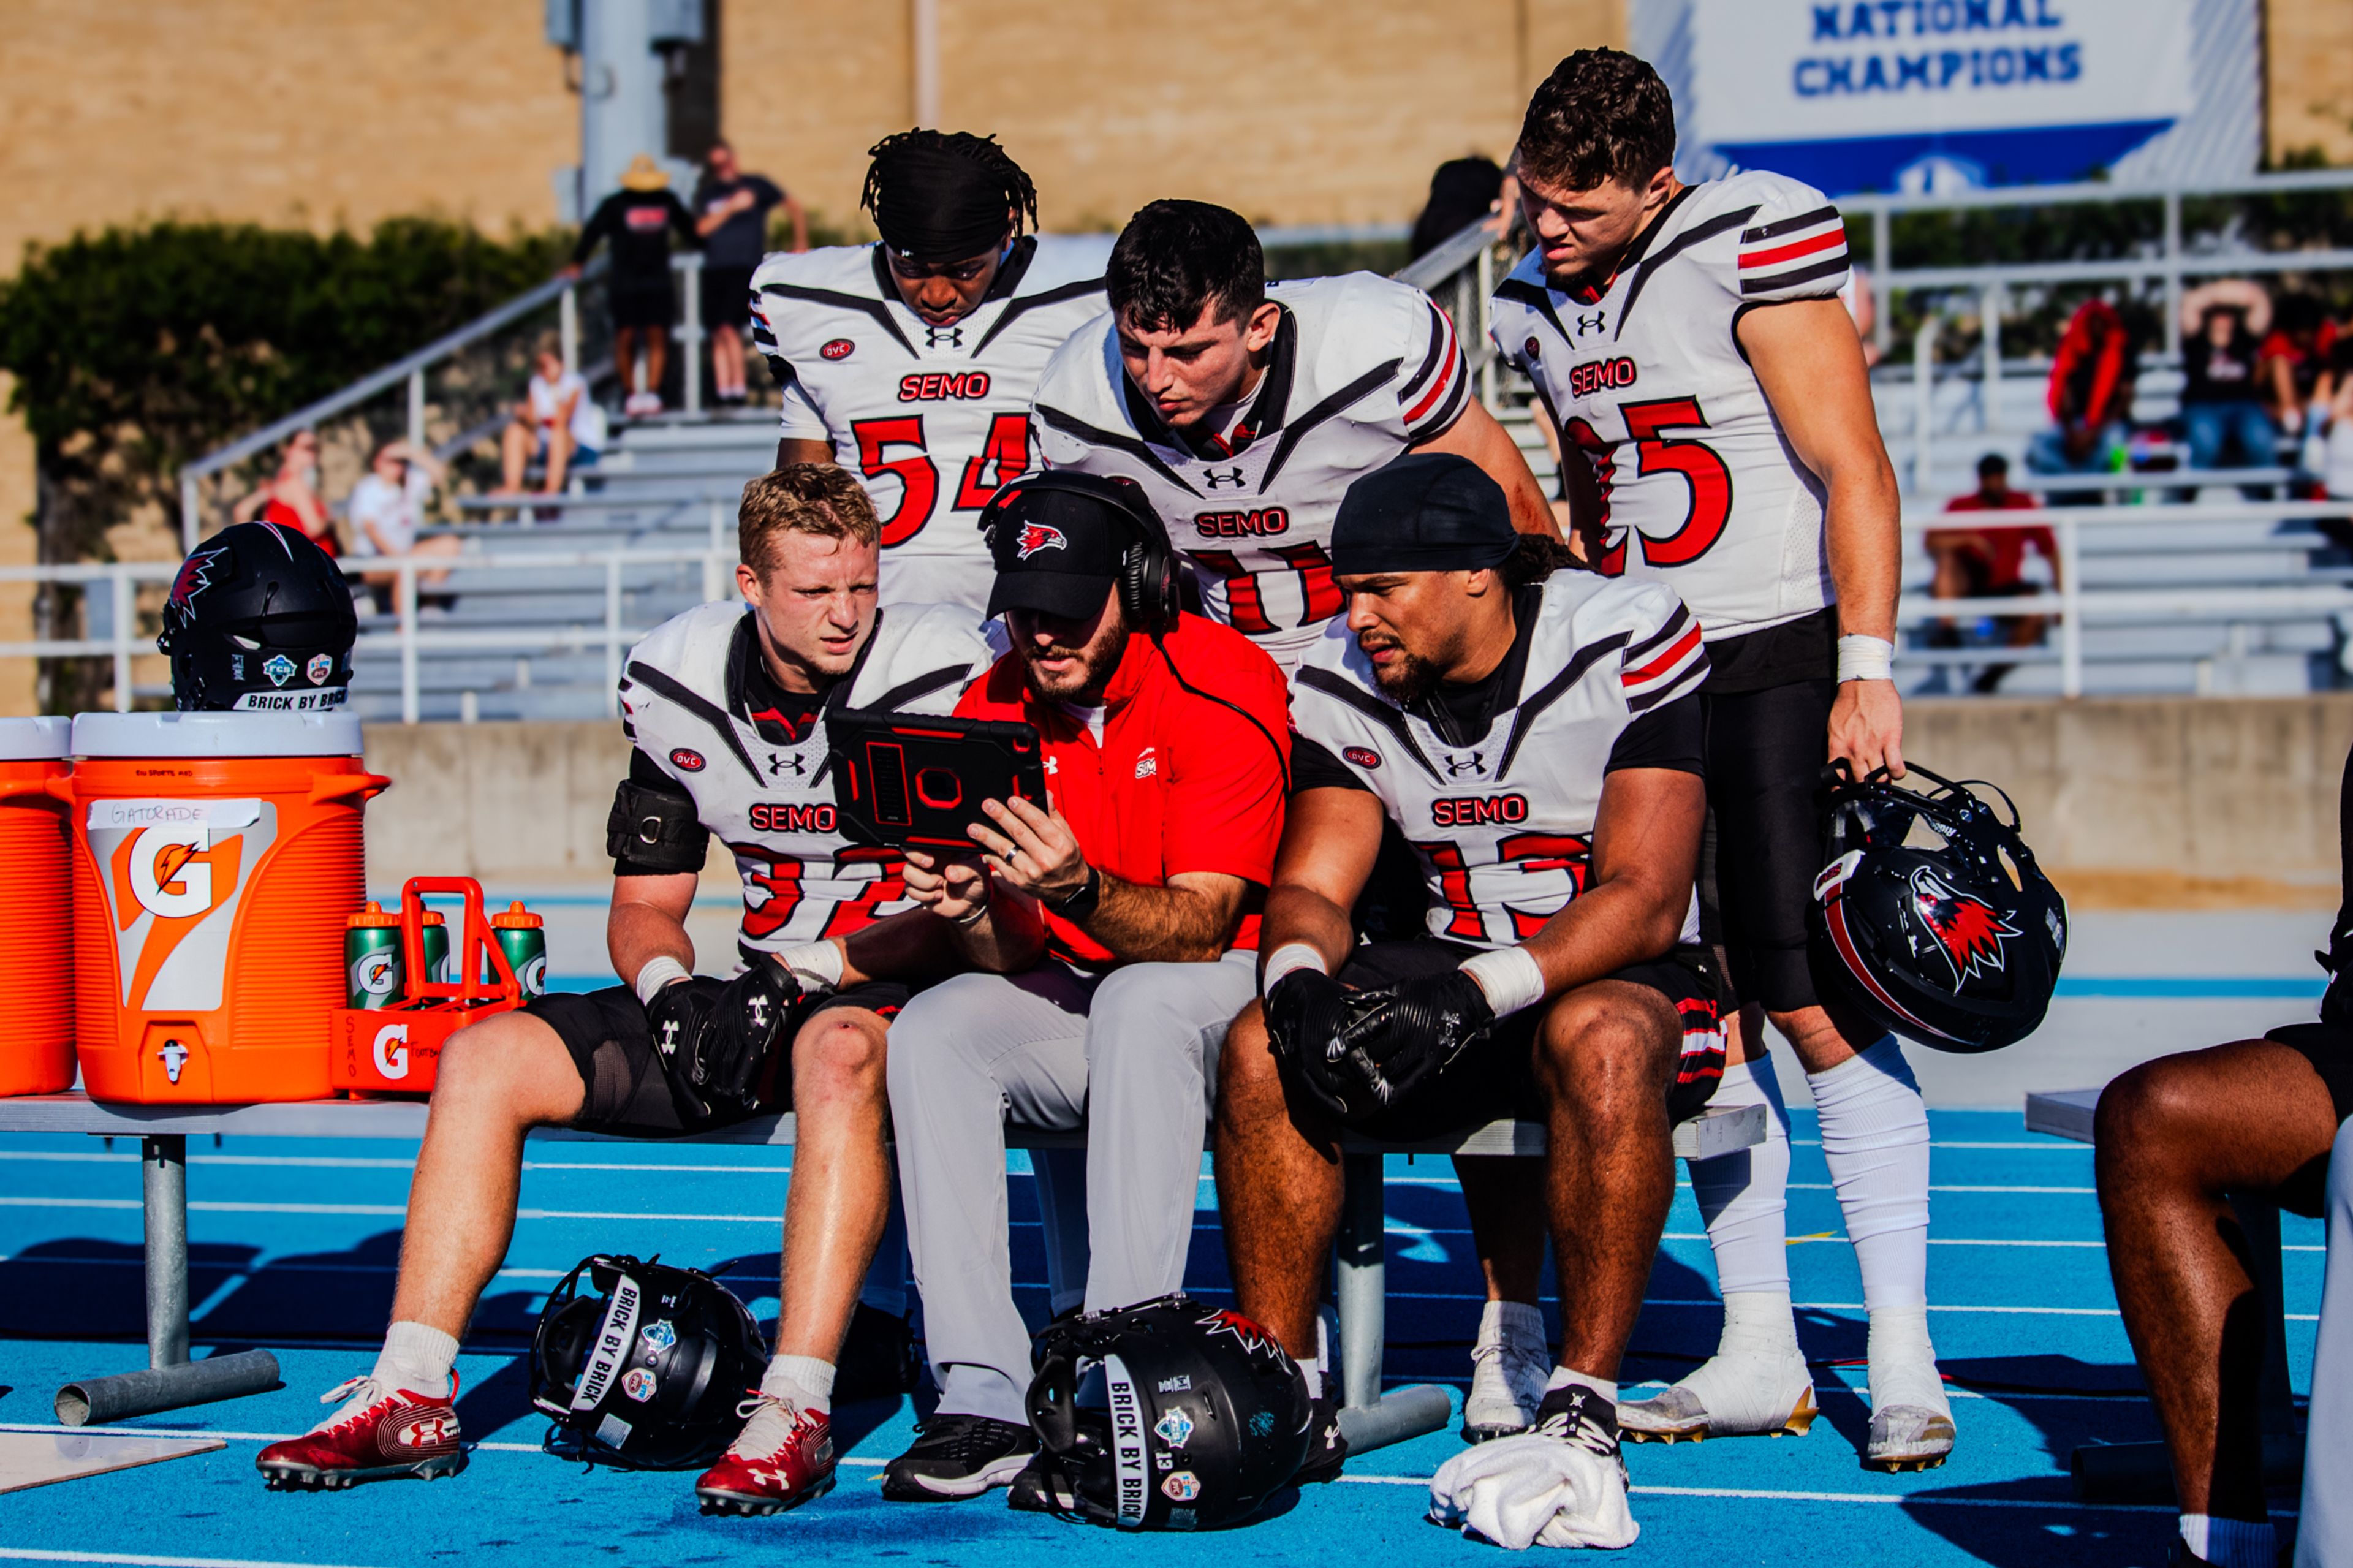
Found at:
<point>174,872</point>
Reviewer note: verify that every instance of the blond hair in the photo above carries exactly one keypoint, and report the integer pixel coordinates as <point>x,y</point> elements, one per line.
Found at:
<point>802,498</point>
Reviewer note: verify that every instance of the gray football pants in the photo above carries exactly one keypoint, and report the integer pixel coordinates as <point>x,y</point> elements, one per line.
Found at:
<point>1131,1056</point>
<point>2325,1531</point>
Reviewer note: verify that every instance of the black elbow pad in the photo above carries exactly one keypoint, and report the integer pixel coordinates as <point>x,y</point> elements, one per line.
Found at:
<point>654,831</point>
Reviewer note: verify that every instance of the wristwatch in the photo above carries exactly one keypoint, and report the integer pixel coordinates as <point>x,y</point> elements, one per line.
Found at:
<point>1079,904</point>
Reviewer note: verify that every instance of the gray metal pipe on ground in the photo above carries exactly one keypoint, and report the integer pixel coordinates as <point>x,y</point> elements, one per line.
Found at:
<point>99,1400</point>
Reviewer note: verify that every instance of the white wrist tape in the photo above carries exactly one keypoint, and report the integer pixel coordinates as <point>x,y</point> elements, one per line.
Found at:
<point>657,974</point>
<point>1291,956</point>
<point>1511,977</point>
<point>816,965</point>
<point>1866,659</point>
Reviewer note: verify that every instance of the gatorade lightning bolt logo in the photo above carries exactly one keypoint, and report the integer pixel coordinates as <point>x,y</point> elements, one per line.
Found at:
<point>1967,929</point>
<point>1037,536</point>
<point>174,873</point>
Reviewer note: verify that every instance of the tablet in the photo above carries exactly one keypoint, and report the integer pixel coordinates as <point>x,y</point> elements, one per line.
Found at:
<point>907,779</point>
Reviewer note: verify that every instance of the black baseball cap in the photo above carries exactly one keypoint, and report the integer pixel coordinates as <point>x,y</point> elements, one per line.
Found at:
<point>1058,546</point>
<point>1426,511</point>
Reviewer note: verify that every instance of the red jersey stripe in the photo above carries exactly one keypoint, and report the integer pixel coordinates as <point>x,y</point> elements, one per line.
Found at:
<point>1829,239</point>
<point>1681,650</point>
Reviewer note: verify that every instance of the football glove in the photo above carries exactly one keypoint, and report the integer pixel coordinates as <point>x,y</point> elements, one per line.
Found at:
<point>1305,1012</point>
<point>715,1038</point>
<point>1404,1033</point>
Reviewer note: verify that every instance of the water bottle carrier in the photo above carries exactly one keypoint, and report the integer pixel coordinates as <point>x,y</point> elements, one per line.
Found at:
<point>396,1050</point>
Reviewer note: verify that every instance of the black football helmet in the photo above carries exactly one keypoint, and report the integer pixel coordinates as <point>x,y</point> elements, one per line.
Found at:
<point>644,1373</point>
<point>1205,1416</point>
<point>1932,916</point>
<point>259,621</point>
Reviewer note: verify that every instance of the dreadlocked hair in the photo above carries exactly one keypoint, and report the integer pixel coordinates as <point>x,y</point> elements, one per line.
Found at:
<point>981,152</point>
<point>1534,558</point>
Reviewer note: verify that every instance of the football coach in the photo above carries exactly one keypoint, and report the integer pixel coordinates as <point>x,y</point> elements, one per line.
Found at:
<point>1120,926</point>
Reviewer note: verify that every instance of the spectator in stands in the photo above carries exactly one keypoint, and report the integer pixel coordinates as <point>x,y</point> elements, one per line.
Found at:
<point>2293,363</point>
<point>638,219</point>
<point>2336,403</point>
<point>732,210</point>
<point>1461,191</point>
<point>2090,394</point>
<point>556,422</point>
<point>2223,416</point>
<point>1990,562</point>
<point>386,510</point>
<point>292,499</point>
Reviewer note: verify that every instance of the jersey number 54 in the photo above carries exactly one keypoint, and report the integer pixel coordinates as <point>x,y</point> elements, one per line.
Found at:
<point>1004,455</point>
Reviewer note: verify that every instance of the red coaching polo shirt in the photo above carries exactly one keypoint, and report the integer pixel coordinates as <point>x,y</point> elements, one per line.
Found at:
<point>1177,783</point>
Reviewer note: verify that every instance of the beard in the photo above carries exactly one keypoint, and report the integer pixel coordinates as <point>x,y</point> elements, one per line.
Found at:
<point>1085,687</point>
<point>1408,679</point>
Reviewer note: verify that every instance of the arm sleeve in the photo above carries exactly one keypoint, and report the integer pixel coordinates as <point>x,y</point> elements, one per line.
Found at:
<point>1794,247</point>
<point>1313,766</point>
<point>1436,384</point>
<point>1666,659</point>
<point>1673,735</point>
<point>1225,789</point>
<point>646,774</point>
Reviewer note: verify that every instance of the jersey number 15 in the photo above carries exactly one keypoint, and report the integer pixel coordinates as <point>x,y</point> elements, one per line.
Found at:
<point>1710,480</point>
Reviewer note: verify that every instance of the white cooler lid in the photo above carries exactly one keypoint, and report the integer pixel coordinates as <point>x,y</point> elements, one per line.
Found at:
<point>216,735</point>
<point>36,740</point>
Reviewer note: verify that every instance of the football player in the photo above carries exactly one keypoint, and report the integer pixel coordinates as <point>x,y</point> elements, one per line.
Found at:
<point>724,705</point>
<point>912,360</point>
<point>1536,736</point>
<point>1244,409</point>
<point>1689,341</point>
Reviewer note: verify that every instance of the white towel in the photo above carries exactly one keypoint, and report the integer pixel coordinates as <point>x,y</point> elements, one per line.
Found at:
<point>1534,1490</point>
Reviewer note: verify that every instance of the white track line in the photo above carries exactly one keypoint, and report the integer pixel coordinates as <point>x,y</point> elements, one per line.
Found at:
<point>140,1559</point>
<point>1894,1500</point>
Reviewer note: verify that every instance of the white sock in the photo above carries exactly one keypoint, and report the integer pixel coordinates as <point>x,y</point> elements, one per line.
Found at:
<point>1744,1196</point>
<point>1512,1323</point>
<point>1313,1369</point>
<point>417,1358</point>
<point>1875,1140</point>
<point>1753,1381</point>
<point>2229,1543</point>
<point>804,1380</point>
<point>1902,1363</point>
<point>1563,1376</point>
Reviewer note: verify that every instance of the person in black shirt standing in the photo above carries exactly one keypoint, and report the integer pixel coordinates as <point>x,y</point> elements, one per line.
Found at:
<point>638,220</point>
<point>731,210</point>
<point>2222,415</point>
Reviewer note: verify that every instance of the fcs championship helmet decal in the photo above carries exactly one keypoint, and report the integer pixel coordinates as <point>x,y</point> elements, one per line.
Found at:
<point>1202,1415</point>
<point>1932,916</point>
<point>644,1369</point>
<point>259,621</point>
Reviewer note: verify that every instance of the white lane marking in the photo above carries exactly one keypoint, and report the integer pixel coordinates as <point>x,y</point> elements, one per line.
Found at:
<point>268,1437</point>
<point>141,1560</point>
<point>1889,1498</point>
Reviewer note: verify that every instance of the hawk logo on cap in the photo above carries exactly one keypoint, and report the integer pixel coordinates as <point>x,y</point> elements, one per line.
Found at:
<point>1037,536</point>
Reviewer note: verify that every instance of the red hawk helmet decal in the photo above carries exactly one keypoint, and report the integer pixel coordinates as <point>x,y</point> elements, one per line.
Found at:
<point>195,575</point>
<point>1037,536</point>
<point>1251,1336</point>
<point>1968,930</point>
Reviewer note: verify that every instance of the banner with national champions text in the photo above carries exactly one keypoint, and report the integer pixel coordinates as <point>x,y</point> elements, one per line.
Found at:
<point>1937,95</point>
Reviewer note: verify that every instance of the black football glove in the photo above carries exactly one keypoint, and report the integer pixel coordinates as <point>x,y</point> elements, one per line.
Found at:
<point>716,1037</point>
<point>1305,1013</point>
<point>1408,1031</point>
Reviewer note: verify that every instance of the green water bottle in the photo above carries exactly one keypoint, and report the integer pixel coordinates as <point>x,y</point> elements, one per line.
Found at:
<point>436,948</point>
<point>522,936</point>
<point>372,957</point>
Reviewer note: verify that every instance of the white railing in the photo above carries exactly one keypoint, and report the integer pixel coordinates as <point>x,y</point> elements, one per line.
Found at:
<point>2078,607</point>
<point>409,639</point>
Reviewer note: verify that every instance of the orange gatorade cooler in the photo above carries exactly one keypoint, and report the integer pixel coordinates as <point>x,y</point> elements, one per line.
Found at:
<point>36,1054</point>
<point>216,857</point>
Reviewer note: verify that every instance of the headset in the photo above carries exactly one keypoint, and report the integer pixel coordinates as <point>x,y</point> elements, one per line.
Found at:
<point>1148,569</point>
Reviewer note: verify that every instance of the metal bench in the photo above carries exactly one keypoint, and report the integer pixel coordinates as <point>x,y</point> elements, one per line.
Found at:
<point>1360,1271</point>
<point>2140,1472</point>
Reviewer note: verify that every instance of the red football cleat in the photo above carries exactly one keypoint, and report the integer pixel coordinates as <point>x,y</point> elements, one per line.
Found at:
<point>783,1458</point>
<point>380,1434</point>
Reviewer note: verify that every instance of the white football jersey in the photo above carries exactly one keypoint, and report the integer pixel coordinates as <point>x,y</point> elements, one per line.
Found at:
<point>1362,368</point>
<point>683,704</point>
<point>1700,489</point>
<point>933,417</point>
<point>1504,829</point>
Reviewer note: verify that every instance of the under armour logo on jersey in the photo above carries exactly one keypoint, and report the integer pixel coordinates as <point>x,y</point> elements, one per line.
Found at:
<point>951,336</point>
<point>1596,322</point>
<point>781,762</point>
<point>1214,477</point>
<point>669,1037</point>
<point>1470,762</point>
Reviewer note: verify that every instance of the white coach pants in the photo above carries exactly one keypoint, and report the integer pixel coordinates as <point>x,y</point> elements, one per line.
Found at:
<point>1132,1058</point>
<point>2324,1529</point>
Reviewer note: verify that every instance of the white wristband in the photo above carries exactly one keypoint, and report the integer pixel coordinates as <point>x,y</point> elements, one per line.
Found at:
<point>1511,977</point>
<point>1290,956</point>
<point>1865,659</point>
<point>816,965</point>
<point>659,973</point>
